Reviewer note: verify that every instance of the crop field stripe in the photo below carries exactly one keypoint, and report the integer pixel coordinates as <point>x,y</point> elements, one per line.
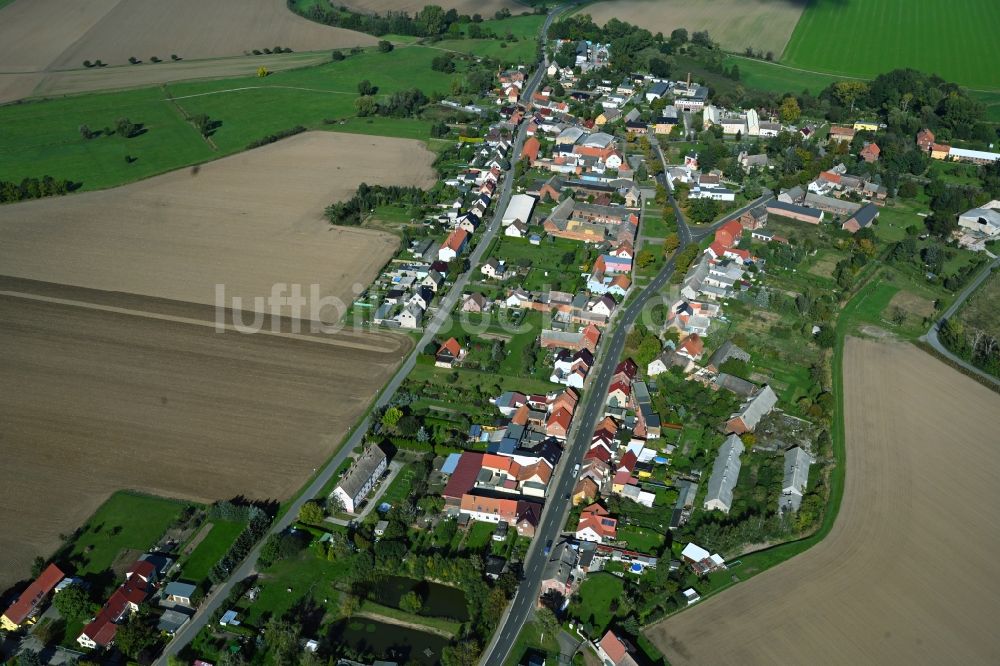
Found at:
<point>954,40</point>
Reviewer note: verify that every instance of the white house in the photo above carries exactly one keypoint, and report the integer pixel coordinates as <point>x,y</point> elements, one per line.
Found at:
<point>360,478</point>
<point>410,317</point>
<point>516,229</point>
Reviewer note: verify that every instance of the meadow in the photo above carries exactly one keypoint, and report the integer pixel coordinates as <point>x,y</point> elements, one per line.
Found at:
<point>43,137</point>
<point>957,41</point>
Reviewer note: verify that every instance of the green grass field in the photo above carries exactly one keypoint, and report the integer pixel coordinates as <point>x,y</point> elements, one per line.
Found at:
<point>523,51</point>
<point>956,40</point>
<point>42,137</point>
<point>125,521</point>
<point>596,594</point>
<point>211,549</point>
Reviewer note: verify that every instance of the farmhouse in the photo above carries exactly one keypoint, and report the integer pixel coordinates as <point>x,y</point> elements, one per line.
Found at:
<point>725,472</point>
<point>842,134</point>
<point>980,157</point>
<point>752,411</point>
<point>755,218</point>
<point>519,209</point>
<point>726,351</point>
<point>25,608</point>
<point>360,478</point>
<point>983,220</point>
<point>800,213</point>
<point>862,219</point>
<point>519,514</point>
<point>797,463</point>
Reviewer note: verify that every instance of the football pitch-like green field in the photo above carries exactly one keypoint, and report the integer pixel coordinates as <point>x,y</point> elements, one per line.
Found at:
<point>955,39</point>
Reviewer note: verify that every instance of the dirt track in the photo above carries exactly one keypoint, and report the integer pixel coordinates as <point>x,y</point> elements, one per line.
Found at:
<point>94,401</point>
<point>40,36</point>
<point>909,573</point>
<point>247,221</point>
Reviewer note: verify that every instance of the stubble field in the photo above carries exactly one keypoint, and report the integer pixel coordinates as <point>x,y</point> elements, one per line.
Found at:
<point>121,392</point>
<point>735,24</point>
<point>247,222</point>
<point>909,572</point>
<point>42,36</point>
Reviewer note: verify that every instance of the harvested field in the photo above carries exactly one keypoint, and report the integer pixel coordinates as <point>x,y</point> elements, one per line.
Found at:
<point>485,7</point>
<point>765,25</point>
<point>96,400</point>
<point>42,36</point>
<point>68,82</point>
<point>909,573</point>
<point>247,221</point>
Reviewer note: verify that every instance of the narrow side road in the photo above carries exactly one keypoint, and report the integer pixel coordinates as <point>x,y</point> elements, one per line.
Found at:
<point>932,339</point>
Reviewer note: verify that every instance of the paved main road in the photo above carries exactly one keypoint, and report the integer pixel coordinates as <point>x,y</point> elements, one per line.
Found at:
<point>186,634</point>
<point>932,335</point>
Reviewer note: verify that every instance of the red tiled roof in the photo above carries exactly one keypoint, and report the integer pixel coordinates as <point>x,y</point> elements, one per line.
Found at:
<point>452,347</point>
<point>464,476</point>
<point>693,344</point>
<point>531,148</point>
<point>628,461</point>
<point>717,248</point>
<point>456,240</point>
<point>598,453</point>
<point>613,647</point>
<point>21,609</point>
<point>628,367</point>
<point>102,630</point>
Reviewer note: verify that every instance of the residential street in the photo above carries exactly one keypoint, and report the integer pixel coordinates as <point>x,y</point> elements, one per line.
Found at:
<point>589,411</point>
<point>447,304</point>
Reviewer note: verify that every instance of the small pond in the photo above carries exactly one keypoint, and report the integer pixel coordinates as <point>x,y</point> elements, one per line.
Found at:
<point>386,641</point>
<point>439,600</point>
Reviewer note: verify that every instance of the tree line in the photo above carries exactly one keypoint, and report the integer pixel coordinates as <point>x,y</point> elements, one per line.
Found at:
<point>34,188</point>
<point>431,21</point>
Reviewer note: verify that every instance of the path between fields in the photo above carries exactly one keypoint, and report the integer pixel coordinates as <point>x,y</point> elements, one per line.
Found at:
<point>227,90</point>
<point>328,340</point>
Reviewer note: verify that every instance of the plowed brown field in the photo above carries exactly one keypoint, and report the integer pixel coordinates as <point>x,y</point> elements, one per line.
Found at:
<point>42,36</point>
<point>247,222</point>
<point>909,574</point>
<point>95,400</point>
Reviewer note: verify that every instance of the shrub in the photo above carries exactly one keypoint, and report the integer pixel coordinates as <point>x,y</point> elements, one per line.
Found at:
<point>155,59</point>
<point>385,46</point>
<point>133,60</point>
<point>174,57</point>
<point>337,56</point>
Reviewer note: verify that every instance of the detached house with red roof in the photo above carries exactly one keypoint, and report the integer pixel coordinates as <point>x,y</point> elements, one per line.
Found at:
<point>728,235</point>
<point>870,153</point>
<point>25,608</point>
<point>454,245</point>
<point>596,525</point>
<point>450,353</point>
<point>613,651</point>
<point>140,583</point>
<point>530,150</point>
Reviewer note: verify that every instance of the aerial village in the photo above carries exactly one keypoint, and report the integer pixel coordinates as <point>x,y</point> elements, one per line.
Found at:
<point>707,413</point>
